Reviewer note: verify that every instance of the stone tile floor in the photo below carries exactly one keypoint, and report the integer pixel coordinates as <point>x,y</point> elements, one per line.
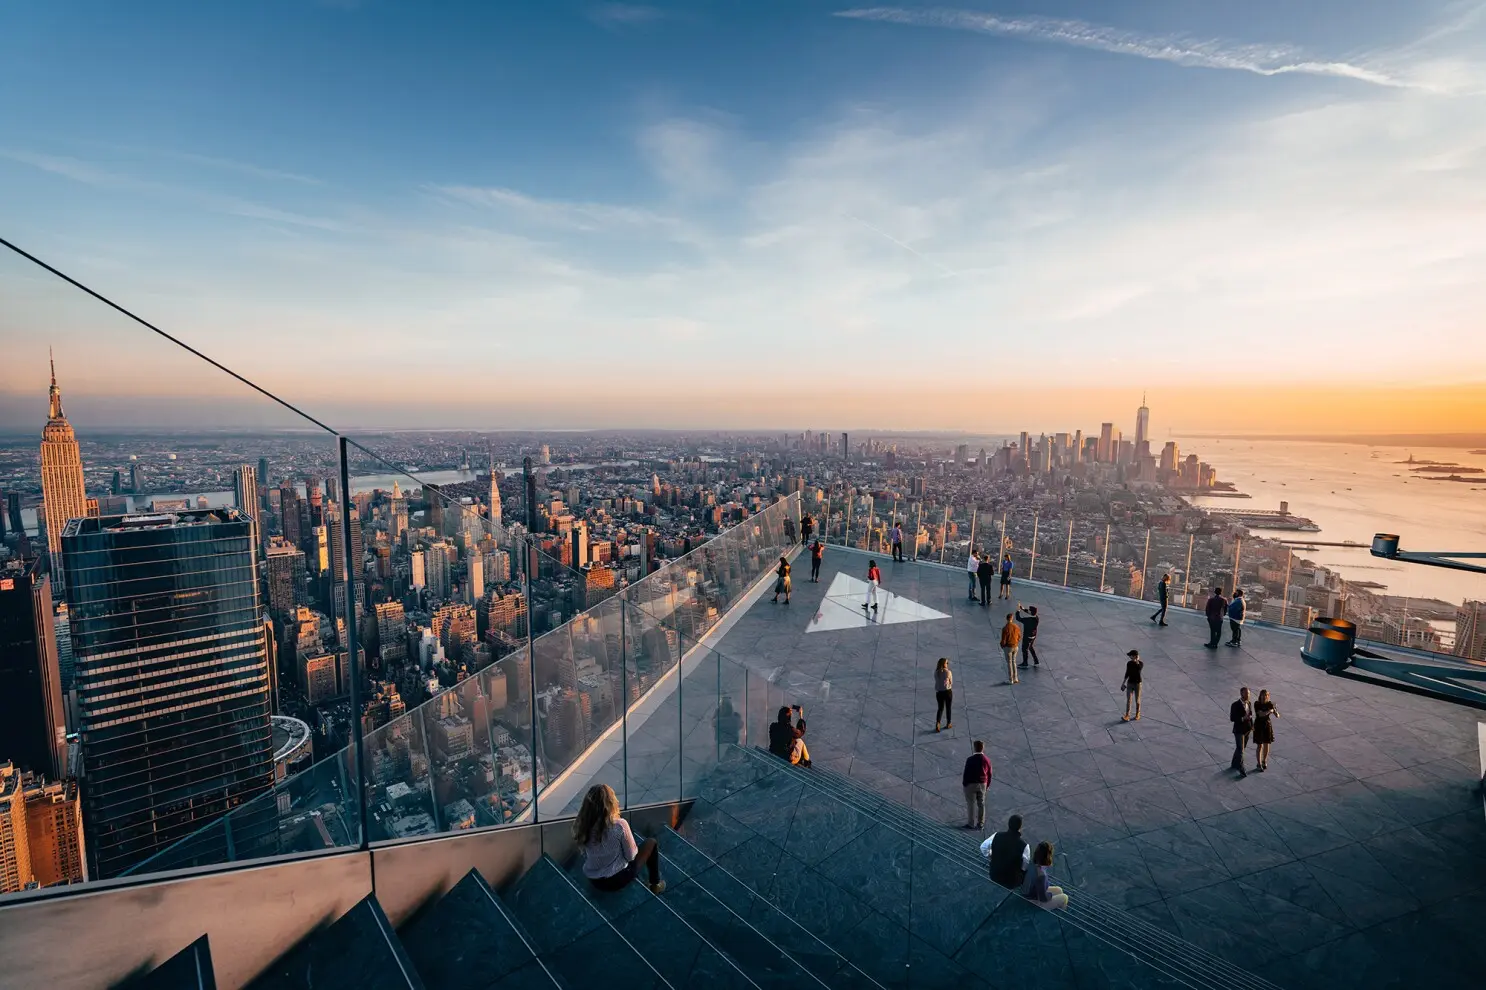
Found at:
<point>1359,856</point>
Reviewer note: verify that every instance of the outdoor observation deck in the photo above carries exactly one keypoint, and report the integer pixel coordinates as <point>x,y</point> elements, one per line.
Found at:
<point>1358,859</point>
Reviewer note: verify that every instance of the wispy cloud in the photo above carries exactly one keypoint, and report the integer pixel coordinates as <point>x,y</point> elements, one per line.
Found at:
<point>620,15</point>
<point>1264,60</point>
<point>552,212</point>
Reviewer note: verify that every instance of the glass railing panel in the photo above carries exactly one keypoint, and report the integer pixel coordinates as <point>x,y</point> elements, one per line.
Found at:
<point>652,764</point>
<point>156,462</point>
<point>1085,569</point>
<point>704,721</point>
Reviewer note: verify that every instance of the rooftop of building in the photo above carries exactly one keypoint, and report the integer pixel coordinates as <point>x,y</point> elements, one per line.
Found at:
<point>1363,841</point>
<point>133,522</point>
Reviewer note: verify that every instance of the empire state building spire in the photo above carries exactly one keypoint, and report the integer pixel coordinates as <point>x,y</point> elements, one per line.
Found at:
<point>62,494</point>
<point>55,393</point>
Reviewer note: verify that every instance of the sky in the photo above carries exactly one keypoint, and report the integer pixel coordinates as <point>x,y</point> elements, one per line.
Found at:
<point>984,216</point>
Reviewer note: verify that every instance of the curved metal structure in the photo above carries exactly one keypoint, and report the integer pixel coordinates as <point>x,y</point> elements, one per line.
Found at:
<point>1331,643</point>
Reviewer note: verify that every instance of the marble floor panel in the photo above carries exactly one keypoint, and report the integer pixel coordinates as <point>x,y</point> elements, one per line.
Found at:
<point>1301,870</point>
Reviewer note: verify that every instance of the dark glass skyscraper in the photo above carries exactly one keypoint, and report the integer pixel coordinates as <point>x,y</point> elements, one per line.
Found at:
<point>171,676</point>
<point>33,734</point>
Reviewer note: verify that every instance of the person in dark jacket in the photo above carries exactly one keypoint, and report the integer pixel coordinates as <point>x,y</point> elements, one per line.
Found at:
<point>1236,612</point>
<point>787,741</point>
<point>1009,854</point>
<point>1217,608</point>
<point>975,779</point>
<point>807,526</point>
<point>817,551</point>
<point>986,572</point>
<point>1162,591</point>
<point>1241,714</point>
<point>1130,684</point>
<point>1027,616</point>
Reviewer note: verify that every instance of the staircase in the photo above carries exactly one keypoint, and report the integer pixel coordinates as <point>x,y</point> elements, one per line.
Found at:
<point>1163,952</point>
<point>777,877</point>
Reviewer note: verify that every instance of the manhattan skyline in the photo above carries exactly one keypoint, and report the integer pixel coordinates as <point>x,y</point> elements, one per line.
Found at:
<point>1041,206</point>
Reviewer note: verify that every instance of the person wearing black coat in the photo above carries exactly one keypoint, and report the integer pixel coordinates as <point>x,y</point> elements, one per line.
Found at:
<point>1162,590</point>
<point>1241,714</point>
<point>986,572</point>
<point>1217,611</point>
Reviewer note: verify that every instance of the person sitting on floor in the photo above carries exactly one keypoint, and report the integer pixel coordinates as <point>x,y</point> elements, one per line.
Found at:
<point>610,857</point>
<point>1036,887</point>
<point>787,741</point>
<point>1009,854</point>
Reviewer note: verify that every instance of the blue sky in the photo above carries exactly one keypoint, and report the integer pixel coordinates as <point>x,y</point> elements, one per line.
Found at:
<point>599,214</point>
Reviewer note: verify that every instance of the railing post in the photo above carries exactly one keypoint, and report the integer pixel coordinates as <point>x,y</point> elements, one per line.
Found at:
<point>918,527</point>
<point>1145,562</point>
<point>353,665</point>
<point>974,513</point>
<point>846,534</point>
<point>1068,553</point>
<point>1285,593</point>
<point>1032,556</point>
<point>944,534</point>
<point>1237,550</point>
<point>1104,567</point>
<point>531,672</point>
<point>624,700</point>
<point>1187,574</point>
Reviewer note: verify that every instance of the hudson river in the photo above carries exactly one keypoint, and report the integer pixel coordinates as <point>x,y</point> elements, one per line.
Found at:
<point>1353,491</point>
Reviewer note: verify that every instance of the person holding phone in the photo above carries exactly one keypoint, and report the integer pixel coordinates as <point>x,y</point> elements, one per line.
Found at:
<point>787,736</point>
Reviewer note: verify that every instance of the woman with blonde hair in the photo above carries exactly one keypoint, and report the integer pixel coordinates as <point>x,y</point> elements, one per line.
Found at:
<point>610,857</point>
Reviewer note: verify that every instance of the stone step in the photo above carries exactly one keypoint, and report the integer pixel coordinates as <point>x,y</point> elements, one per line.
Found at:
<point>683,953</point>
<point>768,944</point>
<point>1158,948</point>
<point>576,942</point>
<point>359,951</point>
<point>468,940</point>
<point>188,969</point>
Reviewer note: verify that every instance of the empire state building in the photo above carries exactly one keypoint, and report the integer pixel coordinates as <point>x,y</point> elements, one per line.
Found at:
<point>62,494</point>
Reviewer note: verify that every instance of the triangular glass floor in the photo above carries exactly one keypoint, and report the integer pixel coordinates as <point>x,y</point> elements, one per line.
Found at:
<point>842,607</point>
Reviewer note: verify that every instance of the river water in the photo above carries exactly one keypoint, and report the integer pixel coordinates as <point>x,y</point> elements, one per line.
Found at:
<point>1353,491</point>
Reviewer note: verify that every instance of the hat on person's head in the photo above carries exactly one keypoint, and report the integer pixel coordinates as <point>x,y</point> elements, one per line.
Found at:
<point>1133,654</point>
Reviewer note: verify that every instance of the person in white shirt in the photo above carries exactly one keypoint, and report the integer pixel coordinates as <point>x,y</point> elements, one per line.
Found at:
<point>971,566</point>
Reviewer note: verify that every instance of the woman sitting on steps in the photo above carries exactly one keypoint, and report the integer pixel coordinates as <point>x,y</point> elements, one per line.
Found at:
<point>610,857</point>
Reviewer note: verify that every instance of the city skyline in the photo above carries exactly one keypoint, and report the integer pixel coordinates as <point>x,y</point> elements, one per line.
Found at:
<point>894,197</point>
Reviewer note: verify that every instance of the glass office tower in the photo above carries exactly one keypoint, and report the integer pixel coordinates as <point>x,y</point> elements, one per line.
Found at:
<point>172,678</point>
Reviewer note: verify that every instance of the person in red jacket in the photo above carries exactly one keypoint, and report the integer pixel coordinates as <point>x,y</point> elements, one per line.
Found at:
<point>874,578</point>
<point>976,778</point>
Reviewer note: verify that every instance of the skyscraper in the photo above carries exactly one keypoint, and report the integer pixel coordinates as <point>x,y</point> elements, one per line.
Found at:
<point>13,511</point>
<point>1470,630</point>
<point>62,493</point>
<point>495,508</point>
<point>245,491</point>
<point>33,730</point>
<point>1142,429</point>
<point>172,680</point>
<point>1105,452</point>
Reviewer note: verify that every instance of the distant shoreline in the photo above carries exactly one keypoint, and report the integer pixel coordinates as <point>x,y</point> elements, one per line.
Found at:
<point>1474,442</point>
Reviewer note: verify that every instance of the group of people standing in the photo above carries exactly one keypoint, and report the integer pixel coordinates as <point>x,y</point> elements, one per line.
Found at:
<point>981,569</point>
<point>1219,608</point>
